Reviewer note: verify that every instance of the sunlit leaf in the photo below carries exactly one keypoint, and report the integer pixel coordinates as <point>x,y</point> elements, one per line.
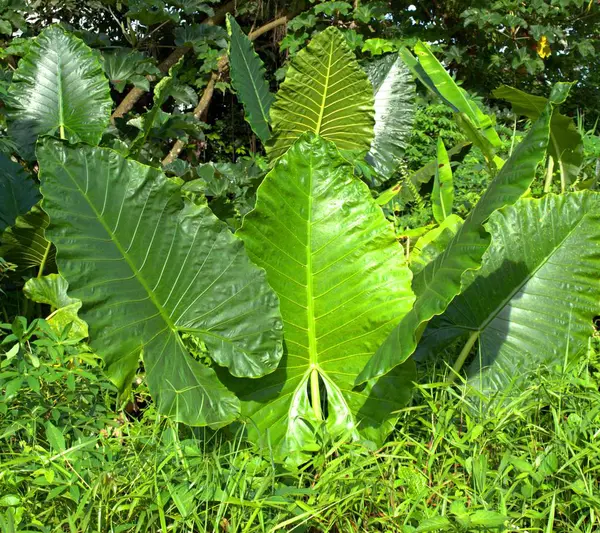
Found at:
<point>343,283</point>
<point>325,92</point>
<point>59,89</point>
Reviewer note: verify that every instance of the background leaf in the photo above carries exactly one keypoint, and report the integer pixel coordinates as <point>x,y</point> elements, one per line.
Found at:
<point>248,79</point>
<point>566,145</point>
<point>394,94</point>
<point>59,89</point>
<point>149,265</point>
<point>18,192</point>
<point>52,290</point>
<point>442,197</point>
<point>325,92</point>
<point>25,243</point>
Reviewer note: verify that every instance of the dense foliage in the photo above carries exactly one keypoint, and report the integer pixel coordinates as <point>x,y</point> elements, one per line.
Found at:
<point>259,228</point>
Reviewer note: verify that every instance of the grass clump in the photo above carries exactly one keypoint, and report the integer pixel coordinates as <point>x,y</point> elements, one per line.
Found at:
<point>72,461</point>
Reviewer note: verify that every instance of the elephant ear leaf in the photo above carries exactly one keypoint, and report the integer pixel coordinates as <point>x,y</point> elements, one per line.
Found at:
<point>394,94</point>
<point>325,92</point>
<point>343,283</point>
<point>150,266</point>
<point>566,145</point>
<point>441,280</point>
<point>248,79</point>
<point>59,89</point>
<point>531,303</point>
<point>18,192</point>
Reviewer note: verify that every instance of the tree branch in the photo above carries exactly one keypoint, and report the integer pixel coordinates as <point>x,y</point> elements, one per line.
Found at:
<point>202,107</point>
<point>135,94</point>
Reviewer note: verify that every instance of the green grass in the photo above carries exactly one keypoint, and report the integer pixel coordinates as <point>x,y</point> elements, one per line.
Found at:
<point>71,462</point>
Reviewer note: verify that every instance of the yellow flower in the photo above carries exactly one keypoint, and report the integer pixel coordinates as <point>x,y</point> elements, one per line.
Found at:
<point>543,48</point>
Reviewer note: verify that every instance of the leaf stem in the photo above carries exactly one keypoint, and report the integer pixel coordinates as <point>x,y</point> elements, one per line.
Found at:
<point>44,260</point>
<point>315,394</point>
<point>462,356</point>
<point>549,173</point>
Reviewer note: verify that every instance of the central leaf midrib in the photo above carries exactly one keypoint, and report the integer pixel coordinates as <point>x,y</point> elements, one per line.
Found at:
<point>310,311</point>
<point>59,84</point>
<point>325,89</point>
<point>125,255</point>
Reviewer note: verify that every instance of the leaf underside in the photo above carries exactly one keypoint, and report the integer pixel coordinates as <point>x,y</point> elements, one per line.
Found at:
<point>394,94</point>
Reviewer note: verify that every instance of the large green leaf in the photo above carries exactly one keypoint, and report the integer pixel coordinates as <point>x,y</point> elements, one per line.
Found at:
<point>25,243</point>
<point>566,145</point>
<point>441,280</point>
<point>248,79</point>
<point>343,284</point>
<point>148,266</point>
<point>394,93</point>
<point>52,290</point>
<point>18,192</point>
<point>535,296</point>
<point>59,89</point>
<point>325,92</point>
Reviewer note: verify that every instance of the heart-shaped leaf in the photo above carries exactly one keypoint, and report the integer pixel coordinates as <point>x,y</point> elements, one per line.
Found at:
<point>343,283</point>
<point>149,266</point>
<point>59,89</point>
<point>325,92</point>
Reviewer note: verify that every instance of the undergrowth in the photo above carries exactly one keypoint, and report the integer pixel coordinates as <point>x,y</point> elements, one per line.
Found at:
<point>71,461</point>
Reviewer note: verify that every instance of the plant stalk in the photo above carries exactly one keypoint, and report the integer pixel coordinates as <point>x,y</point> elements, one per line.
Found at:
<point>44,260</point>
<point>549,173</point>
<point>315,394</point>
<point>462,356</point>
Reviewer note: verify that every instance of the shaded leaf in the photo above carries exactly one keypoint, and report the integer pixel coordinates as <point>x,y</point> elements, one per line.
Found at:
<point>25,244</point>
<point>248,79</point>
<point>18,192</point>
<point>196,35</point>
<point>149,265</point>
<point>124,66</point>
<point>535,296</point>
